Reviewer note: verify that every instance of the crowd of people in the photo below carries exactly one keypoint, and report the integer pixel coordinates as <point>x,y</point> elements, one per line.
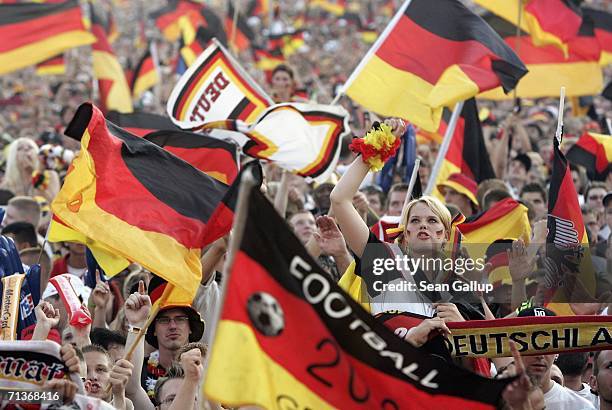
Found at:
<point>165,369</point>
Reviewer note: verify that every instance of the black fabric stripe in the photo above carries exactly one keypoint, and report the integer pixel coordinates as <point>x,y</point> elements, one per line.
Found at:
<point>599,18</point>
<point>268,240</point>
<point>501,26</point>
<point>451,20</point>
<point>171,6</point>
<point>241,24</point>
<point>214,24</point>
<point>475,153</point>
<point>239,108</point>
<point>231,198</point>
<point>559,171</point>
<point>171,180</point>
<point>183,139</point>
<point>22,12</point>
<point>142,120</point>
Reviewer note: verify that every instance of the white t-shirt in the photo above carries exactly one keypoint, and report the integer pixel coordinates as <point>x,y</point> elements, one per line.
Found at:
<point>560,398</point>
<point>586,393</point>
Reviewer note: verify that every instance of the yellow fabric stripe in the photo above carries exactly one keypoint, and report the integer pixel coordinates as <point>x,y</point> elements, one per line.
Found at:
<point>354,286</point>
<point>57,69</point>
<point>545,80</point>
<point>605,58</point>
<point>42,50</point>
<point>145,82</point>
<point>606,141</point>
<point>110,263</point>
<point>240,373</point>
<point>446,170</point>
<point>107,67</point>
<point>388,91</point>
<point>76,206</point>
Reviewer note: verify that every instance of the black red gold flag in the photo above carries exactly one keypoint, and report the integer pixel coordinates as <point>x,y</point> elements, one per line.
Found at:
<point>212,156</point>
<point>33,32</point>
<point>142,204</point>
<point>52,66</point>
<point>240,35</point>
<point>167,17</point>
<point>274,289</point>
<point>453,55</point>
<point>570,274</point>
<point>141,123</point>
<point>467,153</point>
<point>145,75</point>
<point>594,152</point>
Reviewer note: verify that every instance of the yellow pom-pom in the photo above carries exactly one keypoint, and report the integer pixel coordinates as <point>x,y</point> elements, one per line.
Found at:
<point>380,137</point>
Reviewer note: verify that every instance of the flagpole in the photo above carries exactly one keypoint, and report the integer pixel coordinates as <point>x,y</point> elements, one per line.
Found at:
<point>413,177</point>
<point>383,36</point>
<point>448,136</point>
<point>559,131</point>
<point>609,124</point>
<point>247,183</point>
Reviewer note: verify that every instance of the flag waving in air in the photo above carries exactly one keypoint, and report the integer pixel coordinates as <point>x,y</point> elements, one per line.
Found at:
<point>215,87</point>
<point>137,201</point>
<point>311,149</point>
<point>32,32</point>
<point>570,274</point>
<point>594,152</point>
<point>452,55</point>
<point>289,336</point>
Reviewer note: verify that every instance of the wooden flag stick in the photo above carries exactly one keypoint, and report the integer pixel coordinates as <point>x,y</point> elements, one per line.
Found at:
<point>448,136</point>
<point>247,184</point>
<point>235,24</point>
<point>559,131</point>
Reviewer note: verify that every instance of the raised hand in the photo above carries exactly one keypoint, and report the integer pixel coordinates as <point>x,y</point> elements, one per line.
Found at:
<point>448,312</point>
<point>398,126</point>
<point>516,394</point>
<point>65,388</point>
<point>137,306</point>
<point>46,315</point>
<point>101,293</point>
<point>119,376</point>
<point>519,263</point>
<point>329,238</point>
<point>191,362</point>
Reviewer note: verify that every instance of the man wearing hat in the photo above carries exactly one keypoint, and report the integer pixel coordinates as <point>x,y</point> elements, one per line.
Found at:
<point>460,190</point>
<point>538,368</point>
<point>173,327</point>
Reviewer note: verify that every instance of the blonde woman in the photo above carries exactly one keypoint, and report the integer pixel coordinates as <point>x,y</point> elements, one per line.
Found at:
<point>426,230</point>
<point>25,175</point>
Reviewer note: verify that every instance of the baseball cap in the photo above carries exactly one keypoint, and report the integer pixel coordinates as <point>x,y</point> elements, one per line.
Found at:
<point>536,311</point>
<point>462,184</point>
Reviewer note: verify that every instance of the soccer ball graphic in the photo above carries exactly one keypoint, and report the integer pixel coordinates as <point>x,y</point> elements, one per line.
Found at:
<point>266,314</point>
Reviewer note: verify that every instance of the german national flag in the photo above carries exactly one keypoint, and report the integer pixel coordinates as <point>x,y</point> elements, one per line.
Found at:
<point>113,86</point>
<point>453,55</point>
<point>259,8</point>
<point>142,202</point>
<point>594,152</point>
<point>549,68</point>
<point>239,33</point>
<point>601,22</point>
<point>467,153</point>
<point>337,8</point>
<point>193,46</point>
<point>267,60</point>
<point>141,123</point>
<point>263,353</point>
<point>167,17</point>
<point>570,271</point>
<point>212,156</point>
<point>549,22</point>
<point>146,74</point>
<point>507,219</point>
<point>53,66</point>
<point>32,33</point>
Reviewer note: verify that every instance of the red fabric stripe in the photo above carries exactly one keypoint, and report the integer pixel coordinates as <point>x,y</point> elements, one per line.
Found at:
<point>500,209</point>
<point>530,320</point>
<point>207,160</point>
<point>555,17</point>
<point>296,348</point>
<point>40,28</point>
<point>183,8</point>
<point>140,132</point>
<point>102,43</point>
<point>219,223</point>
<point>409,55</point>
<point>499,260</point>
<point>566,206</point>
<point>455,149</point>
<point>605,38</point>
<point>144,210</point>
<point>593,147</point>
